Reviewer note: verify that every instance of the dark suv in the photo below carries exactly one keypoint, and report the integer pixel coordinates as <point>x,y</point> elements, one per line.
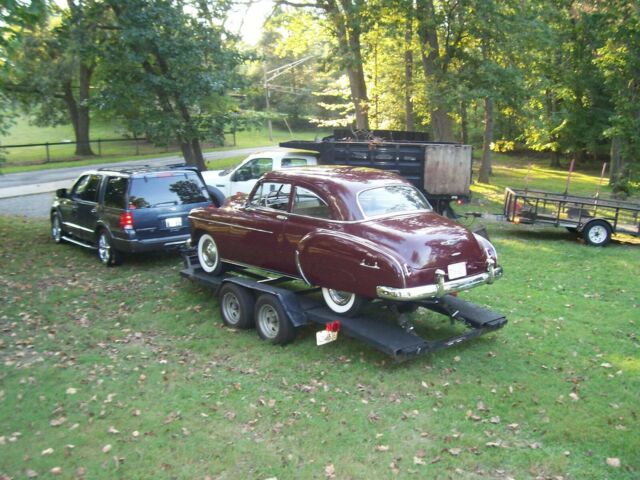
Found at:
<point>128,209</point>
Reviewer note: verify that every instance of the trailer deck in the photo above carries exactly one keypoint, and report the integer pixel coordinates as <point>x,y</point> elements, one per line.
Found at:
<point>302,308</point>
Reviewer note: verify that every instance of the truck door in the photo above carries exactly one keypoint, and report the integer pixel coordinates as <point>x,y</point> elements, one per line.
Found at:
<point>245,177</point>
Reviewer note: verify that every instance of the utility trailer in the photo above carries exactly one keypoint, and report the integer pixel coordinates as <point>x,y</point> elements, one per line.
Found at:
<point>596,219</point>
<point>279,311</point>
<point>441,170</point>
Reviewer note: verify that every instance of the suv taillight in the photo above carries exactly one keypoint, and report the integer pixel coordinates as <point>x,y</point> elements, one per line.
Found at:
<point>126,221</point>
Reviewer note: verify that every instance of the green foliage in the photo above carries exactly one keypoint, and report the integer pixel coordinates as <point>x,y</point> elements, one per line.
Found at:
<point>166,73</point>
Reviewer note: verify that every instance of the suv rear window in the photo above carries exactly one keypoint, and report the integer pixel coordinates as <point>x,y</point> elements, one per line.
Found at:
<point>167,189</point>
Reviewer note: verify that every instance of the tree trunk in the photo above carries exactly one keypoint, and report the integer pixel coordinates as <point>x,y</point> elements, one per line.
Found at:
<point>555,159</point>
<point>348,33</point>
<point>408,73</point>
<point>464,124</point>
<point>434,68</point>
<point>83,144</point>
<point>616,162</point>
<point>187,153</point>
<point>197,155</point>
<point>485,167</point>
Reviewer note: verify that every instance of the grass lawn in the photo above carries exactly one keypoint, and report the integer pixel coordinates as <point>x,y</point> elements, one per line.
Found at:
<point>34,158</point>
<point>129,373</point>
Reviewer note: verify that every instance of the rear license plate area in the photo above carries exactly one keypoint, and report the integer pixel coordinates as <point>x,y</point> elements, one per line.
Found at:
<point>173,222</point>
<point>457,270</point>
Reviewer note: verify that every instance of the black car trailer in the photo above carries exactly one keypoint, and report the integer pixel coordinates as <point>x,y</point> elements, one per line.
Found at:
<point>596,219</point>
<point>239,288</point>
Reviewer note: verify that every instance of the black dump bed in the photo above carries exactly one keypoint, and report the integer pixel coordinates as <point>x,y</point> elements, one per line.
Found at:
<point>441,170</point>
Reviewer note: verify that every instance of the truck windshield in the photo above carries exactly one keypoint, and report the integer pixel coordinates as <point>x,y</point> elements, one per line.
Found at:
<point>391,199</point>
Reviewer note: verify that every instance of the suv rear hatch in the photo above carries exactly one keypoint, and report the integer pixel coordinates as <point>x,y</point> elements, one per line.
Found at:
<point>160,202</point>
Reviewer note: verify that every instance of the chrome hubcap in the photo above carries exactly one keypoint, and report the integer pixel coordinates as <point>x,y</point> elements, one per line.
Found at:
<point>231,308</point>
<point>209,253</point>
<point>269,321</point>
<point>56,232</point>
<point>104,249</point>
<point>340,298</point>
<point>597,234</point>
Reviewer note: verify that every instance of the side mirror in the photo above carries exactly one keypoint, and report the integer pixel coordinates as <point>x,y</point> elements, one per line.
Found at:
<point>61,193</point>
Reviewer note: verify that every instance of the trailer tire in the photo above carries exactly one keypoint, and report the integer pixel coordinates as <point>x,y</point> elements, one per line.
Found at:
<point>597,233</point>
<point>272,323</point>
<point>236,306</point>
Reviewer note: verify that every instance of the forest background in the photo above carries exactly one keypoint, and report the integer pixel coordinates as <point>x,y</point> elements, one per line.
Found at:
<point>560,79</point>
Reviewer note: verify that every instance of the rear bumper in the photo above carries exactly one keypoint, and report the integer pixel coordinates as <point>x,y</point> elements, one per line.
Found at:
<point>151,244</point>
<point>440,288</point>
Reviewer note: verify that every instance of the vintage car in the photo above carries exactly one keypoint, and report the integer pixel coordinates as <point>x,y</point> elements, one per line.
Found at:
<point>358,233</point>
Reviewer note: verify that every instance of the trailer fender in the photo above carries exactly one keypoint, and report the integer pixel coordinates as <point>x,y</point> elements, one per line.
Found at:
<point>287,298</point>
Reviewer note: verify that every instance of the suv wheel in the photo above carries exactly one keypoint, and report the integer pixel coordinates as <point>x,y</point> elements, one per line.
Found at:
<point>107,254</point>
<point>56,228</point>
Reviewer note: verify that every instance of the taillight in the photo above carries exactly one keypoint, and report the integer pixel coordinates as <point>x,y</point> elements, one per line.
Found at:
<point>126,221</point>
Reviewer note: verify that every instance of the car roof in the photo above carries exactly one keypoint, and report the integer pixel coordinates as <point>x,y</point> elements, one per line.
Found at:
<point>143,169</point>
<point>340,183</point>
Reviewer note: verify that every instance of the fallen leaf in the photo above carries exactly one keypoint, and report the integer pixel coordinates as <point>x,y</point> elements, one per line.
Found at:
<point>106,448</point>
<point>112,430</point>
<point>72,391</point>
<point>47,451</point>
<point>56,422</point>
<point>495,420</point>
<point>31,473</point>
<point>574,396</point>
<point>56,471</point>
<point>418,461</point>
<point>613,462</point>
<point>382,448</point>
<point>330,471</point>
<point>394,467</point>
<point>454,451</point>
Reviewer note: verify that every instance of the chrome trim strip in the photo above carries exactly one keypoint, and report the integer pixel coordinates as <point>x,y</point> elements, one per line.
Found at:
<point>299,267</point>
<point>229,224</point>
<point>440,288</point>
<point>78,242</point>
<point>176,243</point>
<point>246,265</point>
<point>69,224</point>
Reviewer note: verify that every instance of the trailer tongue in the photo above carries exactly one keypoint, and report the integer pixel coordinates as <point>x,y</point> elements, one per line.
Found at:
<point>396,340</point>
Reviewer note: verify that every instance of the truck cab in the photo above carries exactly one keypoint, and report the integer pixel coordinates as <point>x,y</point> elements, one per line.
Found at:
<point>242,177</point>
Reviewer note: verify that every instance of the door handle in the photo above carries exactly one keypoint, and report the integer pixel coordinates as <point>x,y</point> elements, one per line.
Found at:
<point>281,217</point>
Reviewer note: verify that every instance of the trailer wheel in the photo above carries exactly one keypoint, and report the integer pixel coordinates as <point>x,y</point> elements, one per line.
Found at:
<point>236,306</point>
<point>272,322</point>
<point>209,256</point>
<point>597,233</point>
<point>344,303</point>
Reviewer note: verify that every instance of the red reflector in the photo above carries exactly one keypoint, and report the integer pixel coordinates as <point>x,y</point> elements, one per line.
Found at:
<point>126,220</point>
<point>333,326</point>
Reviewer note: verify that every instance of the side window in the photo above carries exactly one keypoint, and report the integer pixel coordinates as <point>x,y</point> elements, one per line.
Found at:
<point>307,203</point>
<point>253,169</point>
<point>271,195</point>
<point>87,188</point>
<point>294,162</point>
<point>115,192</point>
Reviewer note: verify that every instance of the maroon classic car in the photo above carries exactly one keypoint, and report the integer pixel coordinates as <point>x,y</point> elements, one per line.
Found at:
<point>359,233</point>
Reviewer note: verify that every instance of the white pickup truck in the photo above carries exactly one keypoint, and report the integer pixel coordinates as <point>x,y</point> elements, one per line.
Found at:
<point>242,177</point>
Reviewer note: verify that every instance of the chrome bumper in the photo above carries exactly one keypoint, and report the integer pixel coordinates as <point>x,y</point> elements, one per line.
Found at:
<point>440,288</point>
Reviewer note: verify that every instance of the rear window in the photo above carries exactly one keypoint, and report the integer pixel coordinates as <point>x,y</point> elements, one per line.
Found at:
<point>391,199</point>
<point>167,189</point>
<point>115,192</point>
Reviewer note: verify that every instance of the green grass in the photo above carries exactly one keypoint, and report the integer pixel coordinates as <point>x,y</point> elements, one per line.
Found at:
<point>553,394</point>
<point>34,158</point>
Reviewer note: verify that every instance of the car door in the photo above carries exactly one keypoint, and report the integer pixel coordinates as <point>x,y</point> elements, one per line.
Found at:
<point>257,236</point>
<point>309,212</point>
<point>245,177</point>
<point>86,204</point>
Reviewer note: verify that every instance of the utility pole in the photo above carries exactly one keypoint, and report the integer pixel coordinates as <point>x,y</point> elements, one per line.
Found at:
<point>269,76</point>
